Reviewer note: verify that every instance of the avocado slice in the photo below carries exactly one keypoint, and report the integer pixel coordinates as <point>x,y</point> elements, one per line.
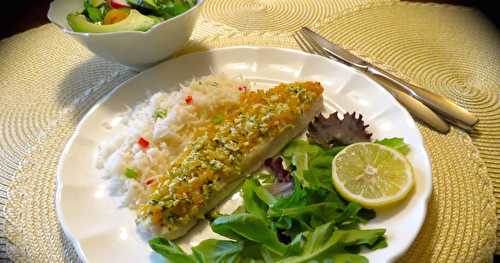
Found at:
<point>134,22</point>
<point>97,3</point>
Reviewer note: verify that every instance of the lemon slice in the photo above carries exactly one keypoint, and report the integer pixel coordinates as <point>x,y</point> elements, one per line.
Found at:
<point>372,175</point>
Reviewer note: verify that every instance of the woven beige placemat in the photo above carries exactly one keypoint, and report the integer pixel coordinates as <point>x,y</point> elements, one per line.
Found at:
<point>48,81</point>
<point>56,81</point>
<point>456,52</point>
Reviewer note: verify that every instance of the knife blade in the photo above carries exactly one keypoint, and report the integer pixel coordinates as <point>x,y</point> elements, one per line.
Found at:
<point>449,110</point>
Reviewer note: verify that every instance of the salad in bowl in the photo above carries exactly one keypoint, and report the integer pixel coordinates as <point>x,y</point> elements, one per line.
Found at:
<point>100,16</point>
<point>135,33</point>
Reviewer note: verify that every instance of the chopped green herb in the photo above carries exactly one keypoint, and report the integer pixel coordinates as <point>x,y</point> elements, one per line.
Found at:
<point>160,114</point>
<point>265,178</point>
<point>130,173</point>
<point>218,119</point>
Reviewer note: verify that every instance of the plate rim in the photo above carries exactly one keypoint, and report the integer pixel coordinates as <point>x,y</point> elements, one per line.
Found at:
<point>59,178</point>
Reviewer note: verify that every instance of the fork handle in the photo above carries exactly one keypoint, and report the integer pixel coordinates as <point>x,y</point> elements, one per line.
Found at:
<point>438,103</point>
<point>416,108</point>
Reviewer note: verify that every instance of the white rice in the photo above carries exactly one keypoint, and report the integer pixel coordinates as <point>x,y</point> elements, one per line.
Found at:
<point>167,136</point>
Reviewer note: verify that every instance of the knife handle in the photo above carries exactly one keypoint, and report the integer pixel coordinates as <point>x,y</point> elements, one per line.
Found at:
<point>442,105</point>
<point>415,107</point>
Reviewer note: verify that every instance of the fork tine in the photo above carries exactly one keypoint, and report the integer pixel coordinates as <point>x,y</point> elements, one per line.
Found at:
<point>317,48</point>
<point>302,43</point>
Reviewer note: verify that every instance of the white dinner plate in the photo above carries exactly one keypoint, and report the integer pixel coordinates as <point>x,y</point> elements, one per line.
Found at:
<point>103,231</point>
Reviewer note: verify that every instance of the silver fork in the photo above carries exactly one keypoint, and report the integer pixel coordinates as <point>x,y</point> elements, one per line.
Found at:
<point>309,46</point>
<point>415,107</point>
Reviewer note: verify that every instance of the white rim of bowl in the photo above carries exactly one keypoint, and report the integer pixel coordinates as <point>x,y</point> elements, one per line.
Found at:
<point>153,28</point>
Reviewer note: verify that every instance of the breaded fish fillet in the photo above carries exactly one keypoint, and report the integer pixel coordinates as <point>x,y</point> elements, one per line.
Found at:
<point>224,152</point>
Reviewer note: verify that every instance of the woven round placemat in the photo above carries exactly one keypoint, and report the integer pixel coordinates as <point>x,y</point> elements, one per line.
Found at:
<point>48,82</point>
<point>453,51</point>
<point>274,15</point>
<point>56,81</point>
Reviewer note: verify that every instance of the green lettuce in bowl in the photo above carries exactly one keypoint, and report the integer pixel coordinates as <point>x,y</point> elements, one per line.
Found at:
<point>100,16</point>
<point>135,33</point>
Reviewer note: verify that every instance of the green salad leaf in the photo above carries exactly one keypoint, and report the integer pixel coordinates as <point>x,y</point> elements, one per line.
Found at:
<point>171,8</point>
<point>93,13</point>
<point>328,243</point>
<point>297,146</point>
<point>245,226</point>
<point>210,251</point>
<point>397,144</point>
<point>312,163</point>
<point>148,4</point>
<point>312,223</point>
<point>213,250</point>
<point>251,201</point>
<point>170,251</point>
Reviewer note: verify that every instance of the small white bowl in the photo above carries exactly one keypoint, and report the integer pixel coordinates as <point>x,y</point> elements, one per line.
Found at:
<point>135,49</point>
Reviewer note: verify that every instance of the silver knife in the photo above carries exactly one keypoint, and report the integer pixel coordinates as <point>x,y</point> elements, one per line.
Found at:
<point>449,110</point>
